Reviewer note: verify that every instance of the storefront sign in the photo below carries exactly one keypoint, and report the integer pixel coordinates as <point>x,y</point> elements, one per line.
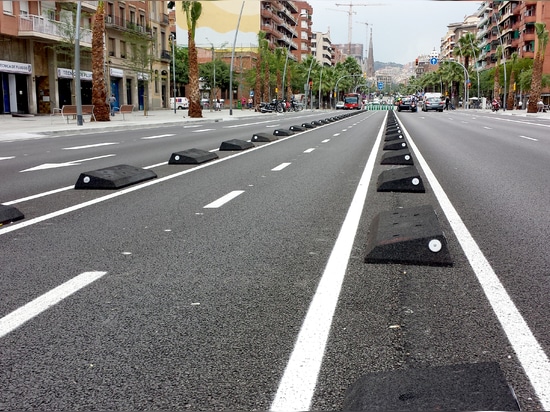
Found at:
<point>116,72</point>
<point>69,74</point>
<point>14,67</point>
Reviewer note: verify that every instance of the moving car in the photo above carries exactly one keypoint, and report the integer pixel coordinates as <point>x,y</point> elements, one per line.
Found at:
<point>433,103</point>
<point>339,105</point>
<point>406,103</point>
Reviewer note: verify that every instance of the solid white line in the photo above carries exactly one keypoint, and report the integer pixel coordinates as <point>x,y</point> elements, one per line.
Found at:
<point>7,158</point>
<point>529,352</point>
<point>157,137</point>
<point>529,138</point>
<point>25,313</point>
<point>298,383</point>
<point>89,146</point>
<point>280,167</point>
<point>224,199</point>
<point>309,150</point>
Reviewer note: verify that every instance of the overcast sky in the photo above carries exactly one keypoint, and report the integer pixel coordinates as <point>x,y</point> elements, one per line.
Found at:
<point>401,29</point>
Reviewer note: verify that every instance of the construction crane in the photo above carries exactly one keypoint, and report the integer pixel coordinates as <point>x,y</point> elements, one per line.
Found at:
<point>350,14</point>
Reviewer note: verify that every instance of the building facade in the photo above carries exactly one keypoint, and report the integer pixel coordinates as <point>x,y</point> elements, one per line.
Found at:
<point>37,54</point>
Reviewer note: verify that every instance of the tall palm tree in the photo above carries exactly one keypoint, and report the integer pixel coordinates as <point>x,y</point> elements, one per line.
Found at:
<point>467,47</point>
<point>279,66</point>
<point>511,92</point>
<point>193,10</point>
<point>536,80</point>
<point>496,82</point>
<point>99,87</point>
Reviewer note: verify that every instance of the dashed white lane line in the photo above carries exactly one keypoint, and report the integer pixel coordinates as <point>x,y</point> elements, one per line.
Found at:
<point>25,313</point>
<point>298,382</point>
<point>160,136</point>
<point>224,199</point>
<point>280,167</point>
<point>325,141</point>
<point>529,138</point>
<point>89,146</point>
<point>530,354</point>
<point>309,150</point>
<point>202,130</point>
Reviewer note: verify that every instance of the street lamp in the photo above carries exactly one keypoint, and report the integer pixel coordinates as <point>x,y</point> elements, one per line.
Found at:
<point>212,87</point>
<point>466,80</point>
<point>173,40</point>
<point>233,58</point>
<point>503,59</point>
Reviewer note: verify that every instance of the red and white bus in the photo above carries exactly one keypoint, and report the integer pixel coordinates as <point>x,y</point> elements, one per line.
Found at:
<point>353,101</point>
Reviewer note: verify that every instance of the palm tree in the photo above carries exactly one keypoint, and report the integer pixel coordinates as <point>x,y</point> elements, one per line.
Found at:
<point>496,83</point>
<point>467,48</point>
<point>279,66</point>
<point>193,10</point>
<point>99,89</point>
<point>259,62</point>
<point>536,81</point>
<point>511,92</point>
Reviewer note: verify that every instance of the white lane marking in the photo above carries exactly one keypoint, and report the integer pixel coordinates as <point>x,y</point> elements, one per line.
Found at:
<point>202,130</point>
<point>298,382</point>
<point>336,134</point>
<point>25,313</point>
<point>280,167</point>
<point>325,141</point>
<point>7,158</point>
<point>273,125</point>
<point>488,128</point>
<point>88,146</point>
<point>529,138</point>
<point>309,150</point>
<point>224,199</point>
<point>190,126</point>
<point>51,192</point>
<point>56,165</point>
<point>529,352</point>
<point>158,136</point>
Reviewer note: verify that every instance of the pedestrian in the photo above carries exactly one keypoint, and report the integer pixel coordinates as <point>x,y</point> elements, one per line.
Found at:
<point>250,102</point>
<point>447,101</point>
<point>112,101</point>
<point>520,105</point>
<point>243,103</point>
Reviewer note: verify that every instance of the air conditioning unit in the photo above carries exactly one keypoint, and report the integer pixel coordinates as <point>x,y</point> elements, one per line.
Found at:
<point>109,19</point>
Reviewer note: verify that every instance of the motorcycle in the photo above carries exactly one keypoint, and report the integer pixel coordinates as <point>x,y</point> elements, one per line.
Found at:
<point>273,106</point>
<point>495,106</point>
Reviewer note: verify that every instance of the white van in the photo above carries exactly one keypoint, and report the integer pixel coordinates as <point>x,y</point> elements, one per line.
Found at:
<point>181,103</point>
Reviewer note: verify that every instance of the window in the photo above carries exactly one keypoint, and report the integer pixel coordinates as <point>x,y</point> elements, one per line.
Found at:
<point>112,46</point>
<point>122,49</point>
<point>24,8</point>
<point>8,7</point>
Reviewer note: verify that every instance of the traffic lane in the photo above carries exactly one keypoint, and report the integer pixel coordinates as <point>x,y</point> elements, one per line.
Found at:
<point>212,305</point>
<point>396,316</point>
<point>53,165</point>
<point>477,182</point>
<point>43,202</point>
<point>501,191</point>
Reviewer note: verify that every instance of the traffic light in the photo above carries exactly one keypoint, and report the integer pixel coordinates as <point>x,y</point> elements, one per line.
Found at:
<point>416,62</point>
<point>310,83</point>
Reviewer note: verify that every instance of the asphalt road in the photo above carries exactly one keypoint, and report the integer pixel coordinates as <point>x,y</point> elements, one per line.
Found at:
<point>185,298</point>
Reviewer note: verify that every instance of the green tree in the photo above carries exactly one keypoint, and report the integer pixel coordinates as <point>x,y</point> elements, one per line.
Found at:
<point>536,81</point>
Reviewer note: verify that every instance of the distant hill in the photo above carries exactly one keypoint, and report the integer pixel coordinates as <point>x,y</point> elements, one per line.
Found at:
<point>381,65</point>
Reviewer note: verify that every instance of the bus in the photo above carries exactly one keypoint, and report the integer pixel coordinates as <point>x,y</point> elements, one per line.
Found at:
<point>353,101</point>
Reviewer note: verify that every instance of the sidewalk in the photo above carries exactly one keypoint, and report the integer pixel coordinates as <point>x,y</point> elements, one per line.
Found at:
<point>28,126</point>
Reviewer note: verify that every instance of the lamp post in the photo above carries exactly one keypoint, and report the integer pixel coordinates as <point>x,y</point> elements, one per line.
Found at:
<point>213,86</point>
<point>173,40</point>
<point>78,92</point>
<point>503,59</point>
<point>233,58</point>
<point>466,80</point>
<point>477,71</point>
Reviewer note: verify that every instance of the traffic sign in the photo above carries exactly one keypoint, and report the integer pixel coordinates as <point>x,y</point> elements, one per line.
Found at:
<point>380,85</point>
<point>433,60</point>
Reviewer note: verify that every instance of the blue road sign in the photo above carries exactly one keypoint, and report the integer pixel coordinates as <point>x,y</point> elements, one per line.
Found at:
<point>433,60</point>
<point>380,85</point>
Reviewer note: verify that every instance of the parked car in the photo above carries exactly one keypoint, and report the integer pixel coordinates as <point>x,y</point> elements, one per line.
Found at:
<point>406,103</point>
<point>181,103</point>
<point>339,105</point>
<point>433,103</point>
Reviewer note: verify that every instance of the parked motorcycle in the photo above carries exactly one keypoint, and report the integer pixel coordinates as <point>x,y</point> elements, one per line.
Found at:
<point>273,106</point>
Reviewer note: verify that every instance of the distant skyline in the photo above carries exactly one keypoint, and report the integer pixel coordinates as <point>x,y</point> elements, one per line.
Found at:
<point>401,29</point>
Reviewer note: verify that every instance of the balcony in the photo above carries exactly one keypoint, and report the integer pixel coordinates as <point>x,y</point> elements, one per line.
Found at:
<point>89,6</point>
<point>165,55</point>
<point>164,19</point>
<point>41,28</point>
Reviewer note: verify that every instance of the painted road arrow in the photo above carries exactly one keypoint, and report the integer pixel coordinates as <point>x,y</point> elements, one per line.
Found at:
<point>56,165</point>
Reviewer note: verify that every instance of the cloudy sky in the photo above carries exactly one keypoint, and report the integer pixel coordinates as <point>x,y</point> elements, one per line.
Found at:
<point>401,29</point>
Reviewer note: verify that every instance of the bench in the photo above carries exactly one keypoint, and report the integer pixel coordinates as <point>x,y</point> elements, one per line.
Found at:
<point>70,110</point>
<point>124,109</point>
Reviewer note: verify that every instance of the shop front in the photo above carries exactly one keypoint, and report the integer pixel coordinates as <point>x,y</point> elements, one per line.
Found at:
<point>14,81</point>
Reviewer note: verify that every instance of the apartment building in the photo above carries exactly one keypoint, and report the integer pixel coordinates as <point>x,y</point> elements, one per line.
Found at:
<point>37,54</point>
<point>321,48</point>
<point>510,24</point>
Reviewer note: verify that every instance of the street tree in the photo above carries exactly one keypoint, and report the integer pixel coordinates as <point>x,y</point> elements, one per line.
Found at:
<point>99,86</point>
<point>536,82</point>
<point>193,10</point>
